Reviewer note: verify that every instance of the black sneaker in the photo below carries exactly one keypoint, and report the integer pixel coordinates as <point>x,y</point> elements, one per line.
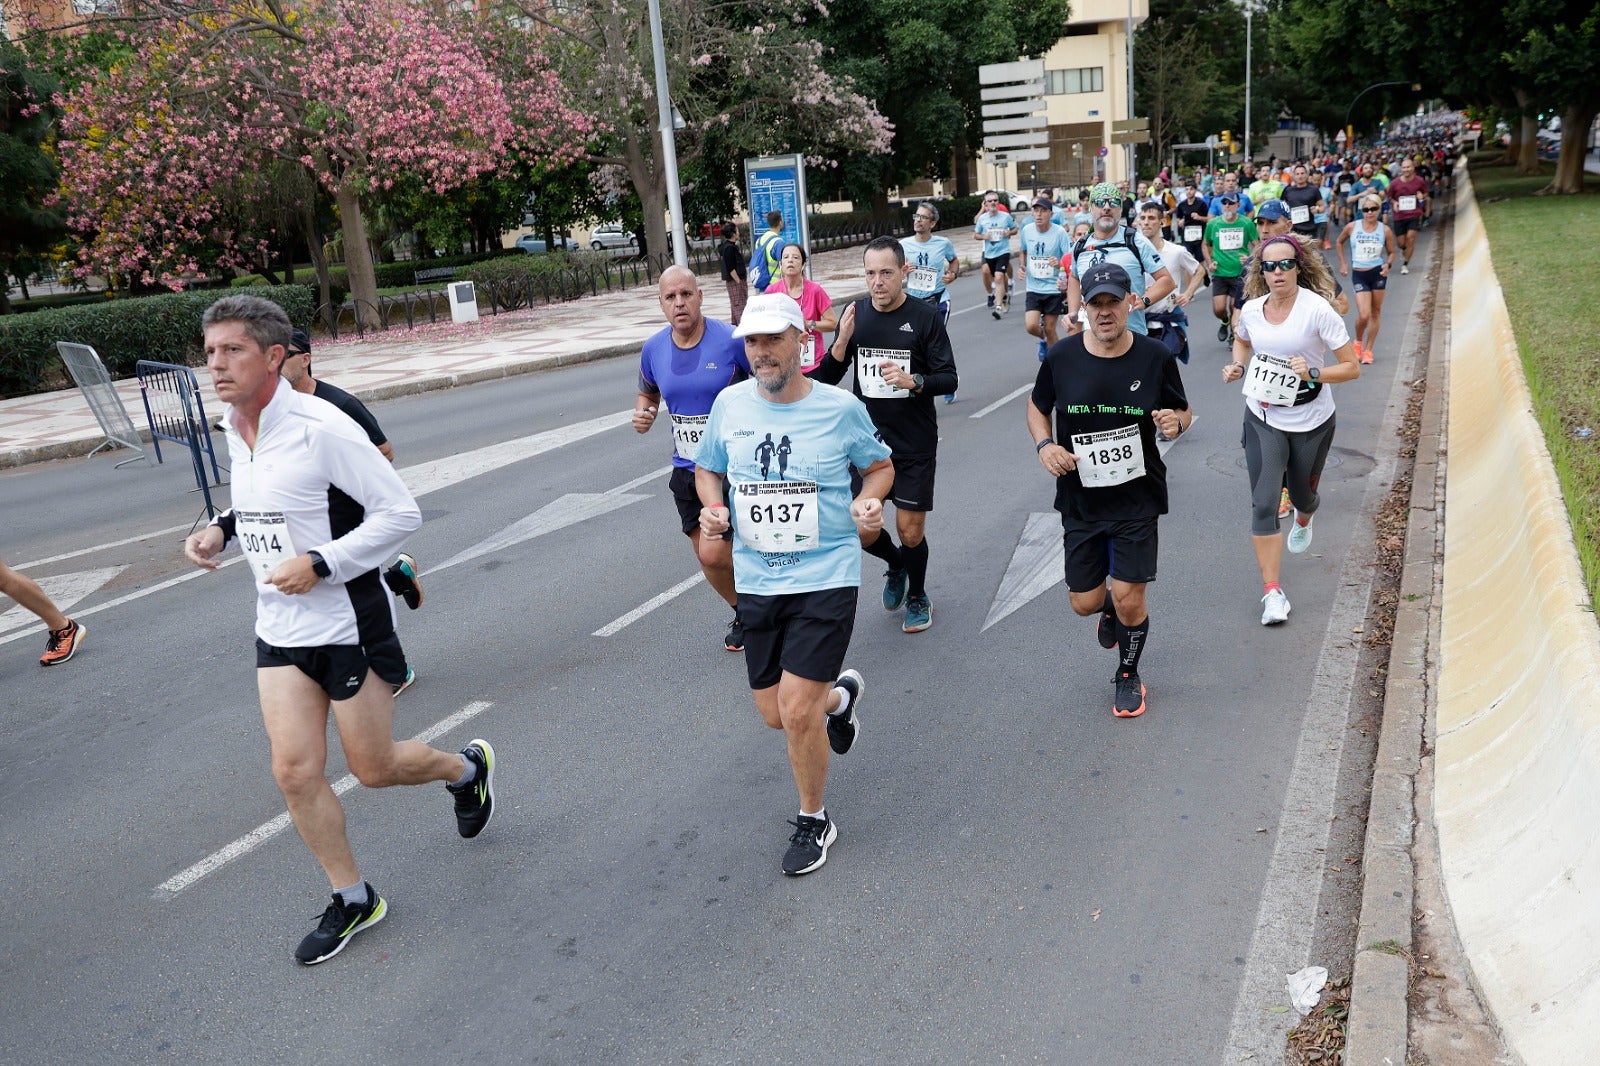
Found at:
<point>1222,332</point>
<point>808,846</point>
<point>734,641</point>
<point>991,299</point>
<point>404,579</point>
<point>340,922</point>
<point>842,728</point>
<point>1107,630</point>
<point>1129,700</point>
<point>475,799</point>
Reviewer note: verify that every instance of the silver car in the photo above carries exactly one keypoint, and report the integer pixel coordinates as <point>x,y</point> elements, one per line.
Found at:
<point>612,235</point>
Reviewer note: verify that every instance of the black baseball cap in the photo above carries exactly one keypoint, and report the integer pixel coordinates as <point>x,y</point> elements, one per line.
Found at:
<point>299,342</point>
<point>1106,278</point>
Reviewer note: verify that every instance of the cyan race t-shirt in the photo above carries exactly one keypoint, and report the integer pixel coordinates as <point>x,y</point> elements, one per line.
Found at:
<point>788,467</point>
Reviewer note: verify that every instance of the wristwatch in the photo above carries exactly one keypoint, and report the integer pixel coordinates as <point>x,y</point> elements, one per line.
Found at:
<point>917,381</point>
<point>319,565</point>
<point>1315,373</point>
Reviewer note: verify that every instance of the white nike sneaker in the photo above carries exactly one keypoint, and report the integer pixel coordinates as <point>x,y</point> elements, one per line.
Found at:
<point>1300,536</point>
<point>1274,608</point>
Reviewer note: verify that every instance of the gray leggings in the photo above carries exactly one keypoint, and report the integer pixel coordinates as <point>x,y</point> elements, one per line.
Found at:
<point>1271,454</point>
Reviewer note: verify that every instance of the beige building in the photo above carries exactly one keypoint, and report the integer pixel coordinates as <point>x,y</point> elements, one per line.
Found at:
<point>1086,90</point>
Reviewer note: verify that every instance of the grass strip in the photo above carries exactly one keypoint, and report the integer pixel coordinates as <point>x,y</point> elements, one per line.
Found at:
<point>1547,254</point>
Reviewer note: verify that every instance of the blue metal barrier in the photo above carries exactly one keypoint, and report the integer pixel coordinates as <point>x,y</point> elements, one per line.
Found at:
<point>172,404</point>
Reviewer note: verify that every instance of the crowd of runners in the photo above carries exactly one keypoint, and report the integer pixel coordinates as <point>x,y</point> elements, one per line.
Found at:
<point>795,428</point>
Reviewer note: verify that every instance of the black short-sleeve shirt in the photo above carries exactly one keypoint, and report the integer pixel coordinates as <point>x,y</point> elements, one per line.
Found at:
<point>1088,394</point>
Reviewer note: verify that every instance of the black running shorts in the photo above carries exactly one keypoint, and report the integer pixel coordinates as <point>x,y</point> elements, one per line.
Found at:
<point>1372,280</point>
<point>688,500</point>
<point>804,633</point>
<point>1053,304</point>
<point>1232,288</point>
<point>1000,264</point>
<point>913,481</point>
<point>339,668</point>
<point>1403,226</point>
<point>1125,550</point>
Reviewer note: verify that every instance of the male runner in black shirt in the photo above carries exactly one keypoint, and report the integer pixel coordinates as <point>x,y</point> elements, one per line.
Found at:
<point>900,356</point>
<point>1110,391</point>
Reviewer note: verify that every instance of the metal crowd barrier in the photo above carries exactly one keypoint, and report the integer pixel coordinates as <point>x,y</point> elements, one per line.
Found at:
<point>84,364</point>
<point>172,404</point>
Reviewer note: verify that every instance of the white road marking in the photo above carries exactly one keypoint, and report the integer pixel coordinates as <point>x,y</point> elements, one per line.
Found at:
<point>102,547</point>
<point>421,479</point>
<point>568,510</point>
<point>269,829</point>
<point>429,477</point>
<point>1002,401</point>
<point>649,605</point>
<point>1037,565</point>
<point>129,598</point>
<point>1286,918</point>
<point>64,590</point>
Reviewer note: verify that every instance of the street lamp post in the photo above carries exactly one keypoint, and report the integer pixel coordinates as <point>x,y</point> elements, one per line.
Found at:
<point>669,146</point>
<point>1249,25</point>
<point>1350,134</point>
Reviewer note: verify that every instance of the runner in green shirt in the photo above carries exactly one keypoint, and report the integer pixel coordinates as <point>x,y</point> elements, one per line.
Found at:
<point>1226,242</point>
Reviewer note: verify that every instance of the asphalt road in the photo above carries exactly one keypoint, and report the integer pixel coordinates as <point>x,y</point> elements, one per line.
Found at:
<point>1019,877</point>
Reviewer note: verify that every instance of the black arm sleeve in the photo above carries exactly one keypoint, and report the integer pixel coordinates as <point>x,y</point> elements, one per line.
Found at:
<point>940,377</point>
<point>830,371</point>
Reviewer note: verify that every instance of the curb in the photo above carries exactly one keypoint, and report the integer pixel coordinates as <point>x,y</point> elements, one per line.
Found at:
<point>1377,1032</point>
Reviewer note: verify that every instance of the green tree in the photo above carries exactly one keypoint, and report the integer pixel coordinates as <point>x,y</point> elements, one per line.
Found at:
<point>919,63</point>
<point>28,173</point>
<point>1175,73</point>
<point>1556,59</point>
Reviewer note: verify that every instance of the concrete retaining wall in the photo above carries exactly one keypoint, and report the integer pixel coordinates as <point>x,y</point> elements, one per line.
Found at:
<point>1517,794</point>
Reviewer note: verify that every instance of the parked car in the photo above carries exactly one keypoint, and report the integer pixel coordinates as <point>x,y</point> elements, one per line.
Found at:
<point>534,245</point>
<point>612,235</point>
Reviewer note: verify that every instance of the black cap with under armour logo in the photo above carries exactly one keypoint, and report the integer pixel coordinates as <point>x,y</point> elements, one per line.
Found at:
<point>1106,278</point>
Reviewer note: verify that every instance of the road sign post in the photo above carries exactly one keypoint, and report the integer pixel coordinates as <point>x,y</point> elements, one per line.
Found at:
<point>1014,123</point>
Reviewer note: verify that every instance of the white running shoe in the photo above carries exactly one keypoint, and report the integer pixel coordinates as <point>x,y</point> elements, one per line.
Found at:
<point>1300,535</point>
<point>1274,608</point>
<point>1405,268</point>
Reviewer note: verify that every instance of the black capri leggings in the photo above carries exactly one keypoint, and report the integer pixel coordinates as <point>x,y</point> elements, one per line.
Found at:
<point>1270,454</point>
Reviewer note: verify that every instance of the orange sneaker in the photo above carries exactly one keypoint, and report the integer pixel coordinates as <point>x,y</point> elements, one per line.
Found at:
<point>1129,699</point>
<point>1366,355</point>
<point>64,644</point>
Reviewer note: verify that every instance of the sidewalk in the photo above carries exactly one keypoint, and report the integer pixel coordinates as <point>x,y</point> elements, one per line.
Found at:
<point>400,362</point>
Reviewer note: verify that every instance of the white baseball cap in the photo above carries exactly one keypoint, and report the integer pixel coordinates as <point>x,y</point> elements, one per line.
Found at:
<point>771,312</point>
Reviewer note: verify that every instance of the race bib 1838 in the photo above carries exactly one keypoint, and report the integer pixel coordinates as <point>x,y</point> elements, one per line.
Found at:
<point>1109,457</point>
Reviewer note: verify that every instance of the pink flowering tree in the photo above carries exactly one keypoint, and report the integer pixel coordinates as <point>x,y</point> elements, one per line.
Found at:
<point>356,93</point>
<point>747,73</point>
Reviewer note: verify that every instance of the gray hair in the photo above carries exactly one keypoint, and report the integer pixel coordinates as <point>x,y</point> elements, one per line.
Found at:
<point>264,321</point>
<point>929,205</point>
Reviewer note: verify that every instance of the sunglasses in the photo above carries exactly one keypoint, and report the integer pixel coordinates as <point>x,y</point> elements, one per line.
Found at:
<point>1370,210</point>
<point>991,201</point>
<point>1106,202</point>
<point>1271,266</point>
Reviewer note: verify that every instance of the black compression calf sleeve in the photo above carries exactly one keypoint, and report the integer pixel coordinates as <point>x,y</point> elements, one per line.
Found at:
<point>884,548</point>
<point>916,568</point>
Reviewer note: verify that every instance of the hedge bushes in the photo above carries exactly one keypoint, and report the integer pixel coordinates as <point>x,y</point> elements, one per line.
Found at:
<point>123,331</point>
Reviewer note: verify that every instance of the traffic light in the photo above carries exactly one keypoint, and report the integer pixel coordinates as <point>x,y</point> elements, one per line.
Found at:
<point>1226,137</point>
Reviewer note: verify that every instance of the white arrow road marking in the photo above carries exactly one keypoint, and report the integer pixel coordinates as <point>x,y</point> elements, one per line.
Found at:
<point>1036,566</point>
<point>1039,561</point>
<point>267,830</point>
<point>64,590</point>
<point>566,511</point>
<point>453,469</point>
